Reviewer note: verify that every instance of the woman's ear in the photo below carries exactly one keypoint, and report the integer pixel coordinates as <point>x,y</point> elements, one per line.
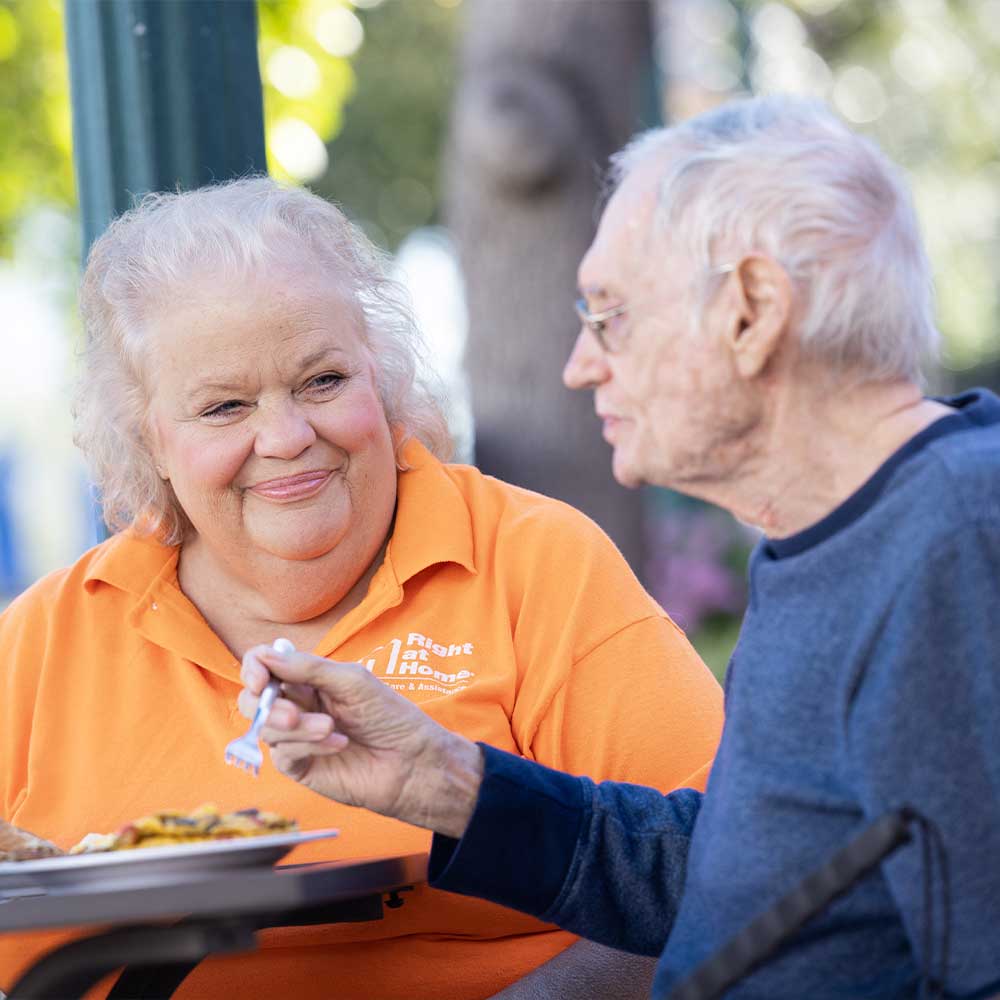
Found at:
<point>151,439</point>
<point>764,307</point>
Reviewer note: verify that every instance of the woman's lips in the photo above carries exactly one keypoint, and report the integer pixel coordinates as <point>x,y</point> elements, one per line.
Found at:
<point>305,484</point>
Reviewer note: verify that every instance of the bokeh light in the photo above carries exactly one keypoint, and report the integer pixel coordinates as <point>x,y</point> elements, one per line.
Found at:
<point>300,151</point>
<point>293,72</point>
<point>858,95</point>
<point>339,31</point>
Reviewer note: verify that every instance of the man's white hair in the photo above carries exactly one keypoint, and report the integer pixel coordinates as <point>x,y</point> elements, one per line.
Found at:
<point>784,176</point>
<point>147,259</point>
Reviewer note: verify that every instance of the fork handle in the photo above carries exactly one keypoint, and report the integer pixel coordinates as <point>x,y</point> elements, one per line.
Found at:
<point>267,699</point>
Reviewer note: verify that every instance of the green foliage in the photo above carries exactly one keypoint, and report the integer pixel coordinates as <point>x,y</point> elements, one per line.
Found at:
<point>35,161</point>
<point>381,109</point>
<point>715,642</point>
<point>385,164</point>
<point>316,94</point>
<point>921,78</point>
<point>379,114</point>
<point>386,142</point>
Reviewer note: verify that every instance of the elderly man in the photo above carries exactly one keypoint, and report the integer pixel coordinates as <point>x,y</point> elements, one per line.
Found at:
<point>756,305</point>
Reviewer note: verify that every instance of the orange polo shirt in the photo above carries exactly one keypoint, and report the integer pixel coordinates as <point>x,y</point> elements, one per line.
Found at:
<point>507,616</point>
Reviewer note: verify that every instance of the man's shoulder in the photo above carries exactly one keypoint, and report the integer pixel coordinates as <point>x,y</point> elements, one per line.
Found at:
<point>957,475</point>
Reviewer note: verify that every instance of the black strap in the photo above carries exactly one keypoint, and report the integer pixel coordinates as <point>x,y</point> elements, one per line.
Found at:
<point>756,942</point>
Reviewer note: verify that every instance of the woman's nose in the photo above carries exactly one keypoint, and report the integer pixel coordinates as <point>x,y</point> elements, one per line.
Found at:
<point>587,364</point>
<point>283,430</point>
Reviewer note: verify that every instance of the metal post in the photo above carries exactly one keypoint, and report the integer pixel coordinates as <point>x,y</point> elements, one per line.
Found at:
<point>165,95</point>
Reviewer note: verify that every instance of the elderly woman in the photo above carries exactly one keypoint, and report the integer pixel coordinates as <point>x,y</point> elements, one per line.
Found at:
<point>273,466</point>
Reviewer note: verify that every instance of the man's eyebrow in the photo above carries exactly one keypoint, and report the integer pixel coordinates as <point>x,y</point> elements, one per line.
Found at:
<point>595,292</point>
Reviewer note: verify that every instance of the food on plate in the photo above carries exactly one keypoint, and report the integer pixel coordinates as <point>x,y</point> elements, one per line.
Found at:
<point>163,829</point>
<point>171,828</point>
<point>19,845</point>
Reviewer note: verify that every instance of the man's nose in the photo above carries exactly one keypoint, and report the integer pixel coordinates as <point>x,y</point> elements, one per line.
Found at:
<point>283,430</point>
<point>587,365</point>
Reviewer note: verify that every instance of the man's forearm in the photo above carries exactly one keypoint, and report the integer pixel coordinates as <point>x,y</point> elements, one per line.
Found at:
<point>571,852</point>
<point>583,971</point>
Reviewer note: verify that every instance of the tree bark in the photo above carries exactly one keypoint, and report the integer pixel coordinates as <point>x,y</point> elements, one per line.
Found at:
<point>547,90</point>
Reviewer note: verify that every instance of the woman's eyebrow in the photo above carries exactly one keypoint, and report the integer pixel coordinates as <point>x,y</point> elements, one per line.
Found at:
<point>236,383</point>
<point>320,355</point>
<point>222,383</point>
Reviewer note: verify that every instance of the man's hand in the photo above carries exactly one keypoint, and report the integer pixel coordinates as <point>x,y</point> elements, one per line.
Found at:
<point>343,733</point>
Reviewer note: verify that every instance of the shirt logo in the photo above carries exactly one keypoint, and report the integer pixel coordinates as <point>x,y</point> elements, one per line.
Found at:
<point>419,663</point>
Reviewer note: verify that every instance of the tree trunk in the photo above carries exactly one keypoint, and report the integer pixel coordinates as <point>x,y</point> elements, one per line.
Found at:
<point>547,90</point>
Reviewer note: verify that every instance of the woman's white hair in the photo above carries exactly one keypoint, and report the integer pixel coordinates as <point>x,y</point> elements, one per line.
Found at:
<point>145,260</point>
<point>784,176</point>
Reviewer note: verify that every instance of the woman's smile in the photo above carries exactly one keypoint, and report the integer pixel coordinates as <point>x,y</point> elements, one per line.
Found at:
<point>288,489</point>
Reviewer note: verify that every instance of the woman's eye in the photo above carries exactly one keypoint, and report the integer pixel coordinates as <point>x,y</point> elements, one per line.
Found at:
<point>328,380</point>
<point>226,409</point>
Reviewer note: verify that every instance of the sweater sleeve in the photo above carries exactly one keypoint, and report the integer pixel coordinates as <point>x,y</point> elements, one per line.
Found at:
<point>604,861</point>
<point>923,731</point>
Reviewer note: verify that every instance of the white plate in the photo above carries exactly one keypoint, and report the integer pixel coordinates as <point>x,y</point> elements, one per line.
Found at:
<point>149,865</point>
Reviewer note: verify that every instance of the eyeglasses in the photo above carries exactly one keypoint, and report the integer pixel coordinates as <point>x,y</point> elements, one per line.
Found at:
<point>597,322</point>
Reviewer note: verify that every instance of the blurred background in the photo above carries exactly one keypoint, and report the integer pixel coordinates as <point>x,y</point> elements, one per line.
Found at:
<point>468,137</point>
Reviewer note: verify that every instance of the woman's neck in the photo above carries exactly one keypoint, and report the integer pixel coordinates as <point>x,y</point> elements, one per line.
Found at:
<point>300,601</point>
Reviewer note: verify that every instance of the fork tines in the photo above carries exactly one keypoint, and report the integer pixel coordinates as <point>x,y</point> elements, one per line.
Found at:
<point>246,765</point>
<point>244,753</point>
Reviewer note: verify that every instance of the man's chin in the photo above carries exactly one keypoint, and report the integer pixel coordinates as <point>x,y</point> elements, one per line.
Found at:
<point>625,475</point>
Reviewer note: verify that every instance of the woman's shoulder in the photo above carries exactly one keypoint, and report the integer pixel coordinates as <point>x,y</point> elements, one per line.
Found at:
<point>54,586</point>
<point>61,589</point>
<point>547,544</point>
<point>523,510</point>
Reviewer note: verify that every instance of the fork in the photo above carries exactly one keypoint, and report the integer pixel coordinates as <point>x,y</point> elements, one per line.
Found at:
<point>245,751</point>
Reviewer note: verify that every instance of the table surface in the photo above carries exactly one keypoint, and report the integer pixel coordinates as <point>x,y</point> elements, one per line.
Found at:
<point>229,892</point>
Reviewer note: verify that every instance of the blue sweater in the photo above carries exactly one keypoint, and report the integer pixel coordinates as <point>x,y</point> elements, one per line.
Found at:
<point>866,677</point>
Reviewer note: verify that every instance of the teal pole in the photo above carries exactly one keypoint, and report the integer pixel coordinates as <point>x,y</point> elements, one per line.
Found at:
<point>166,94</point>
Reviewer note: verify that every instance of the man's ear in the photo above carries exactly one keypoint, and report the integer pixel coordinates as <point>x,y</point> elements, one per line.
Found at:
<point>763,293</point>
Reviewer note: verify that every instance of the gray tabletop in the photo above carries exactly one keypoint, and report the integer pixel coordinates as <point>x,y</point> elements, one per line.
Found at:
<point>229,892</point>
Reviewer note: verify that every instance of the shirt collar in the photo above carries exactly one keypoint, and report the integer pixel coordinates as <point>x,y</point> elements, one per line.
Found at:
<point>433,521</point>
<point>130,562</point>
<point>975,408</point>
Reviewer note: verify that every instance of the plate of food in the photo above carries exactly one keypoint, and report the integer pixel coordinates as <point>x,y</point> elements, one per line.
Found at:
<point>154,848</point>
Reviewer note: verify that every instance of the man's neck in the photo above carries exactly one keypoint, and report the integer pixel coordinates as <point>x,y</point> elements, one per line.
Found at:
<point>819,444</point>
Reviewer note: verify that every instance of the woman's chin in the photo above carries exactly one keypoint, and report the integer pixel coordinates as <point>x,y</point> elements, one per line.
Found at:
<point>297,546</point>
